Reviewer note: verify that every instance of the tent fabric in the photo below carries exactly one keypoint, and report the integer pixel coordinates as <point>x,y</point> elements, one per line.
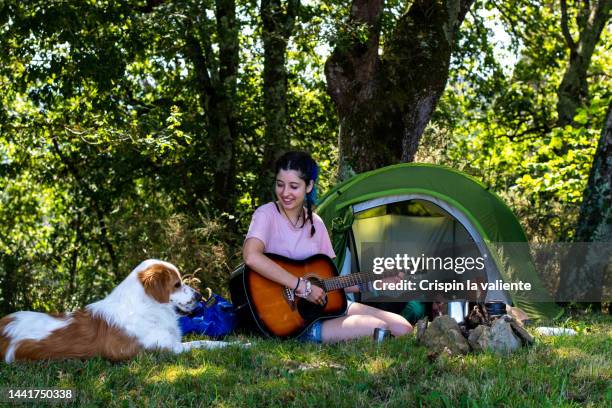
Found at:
<point>455,229</point>
<point>427,232</point>
<point>466,198</point>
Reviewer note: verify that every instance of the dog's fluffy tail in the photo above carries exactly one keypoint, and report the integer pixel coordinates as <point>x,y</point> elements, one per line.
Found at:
<point>4,340</point>
<point>210,344</point>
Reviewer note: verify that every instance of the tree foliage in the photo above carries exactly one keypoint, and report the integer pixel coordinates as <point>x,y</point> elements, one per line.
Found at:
<point>120,120</point>
<point>403,80</point>
<point>132,129</point>
<point>500,123</point>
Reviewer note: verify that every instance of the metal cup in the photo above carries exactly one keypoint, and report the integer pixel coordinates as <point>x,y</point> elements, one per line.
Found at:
<point>380,334</point>
<point>456,310</point>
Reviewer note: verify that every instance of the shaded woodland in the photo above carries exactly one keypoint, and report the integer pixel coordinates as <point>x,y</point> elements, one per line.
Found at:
<point>135,129</point>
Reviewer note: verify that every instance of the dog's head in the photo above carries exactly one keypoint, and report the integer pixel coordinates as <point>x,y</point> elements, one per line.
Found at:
<point>162,282</point>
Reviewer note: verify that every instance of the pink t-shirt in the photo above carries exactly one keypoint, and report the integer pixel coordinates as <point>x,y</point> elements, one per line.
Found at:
<point>279,237</point>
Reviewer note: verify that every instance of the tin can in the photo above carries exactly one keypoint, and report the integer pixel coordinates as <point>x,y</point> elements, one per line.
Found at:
<point>380,334</point>
<point>495,308</point>
<point>457,310</point>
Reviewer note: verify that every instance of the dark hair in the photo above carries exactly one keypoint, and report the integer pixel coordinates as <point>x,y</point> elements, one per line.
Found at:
<point>308,170</point>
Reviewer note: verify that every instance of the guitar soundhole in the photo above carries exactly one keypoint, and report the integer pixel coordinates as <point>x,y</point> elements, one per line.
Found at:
<point>308,310</point>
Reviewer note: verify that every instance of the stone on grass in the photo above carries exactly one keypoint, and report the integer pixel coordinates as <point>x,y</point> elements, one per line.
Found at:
<point>444,335</point>
<point>479,338</point>
<point>499,338</point>
<point>421,326</point>
<point>526,338</point>
<point>518,314</point>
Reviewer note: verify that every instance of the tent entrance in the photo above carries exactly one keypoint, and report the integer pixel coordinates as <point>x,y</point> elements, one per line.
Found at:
<point>431,226</point>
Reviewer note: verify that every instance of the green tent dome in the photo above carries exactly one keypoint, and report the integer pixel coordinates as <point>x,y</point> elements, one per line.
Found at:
<point>486,219</point>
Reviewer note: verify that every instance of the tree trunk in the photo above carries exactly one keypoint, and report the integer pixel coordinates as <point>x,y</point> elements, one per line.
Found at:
<point>9,283</point>
<point>385,101</point>
<point>98,204</point>
<point>217,80</point>
<point>278,21</point>
<point>224,120</point>
<point>594,223</point>
<point>573,90</point>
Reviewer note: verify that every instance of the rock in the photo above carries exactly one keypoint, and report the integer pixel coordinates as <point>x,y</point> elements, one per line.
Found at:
<point>421,326</point>
<point>480,338</point>
<point>518,314</point>
<point>519,330</point>
<point>499,338</point>
<point>444,333</point>
<point>502,337</point>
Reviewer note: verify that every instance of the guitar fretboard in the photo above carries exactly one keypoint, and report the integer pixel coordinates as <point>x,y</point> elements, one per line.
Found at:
<point>341,282</point>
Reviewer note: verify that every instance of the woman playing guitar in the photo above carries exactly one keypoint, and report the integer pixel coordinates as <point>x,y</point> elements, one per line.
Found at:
<point>289,228</point>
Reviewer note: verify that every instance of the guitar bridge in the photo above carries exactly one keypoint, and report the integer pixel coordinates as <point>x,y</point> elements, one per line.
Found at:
<point>289,297</point>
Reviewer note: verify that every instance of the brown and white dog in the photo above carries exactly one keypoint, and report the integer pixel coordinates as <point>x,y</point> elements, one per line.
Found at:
<point>140,313</point>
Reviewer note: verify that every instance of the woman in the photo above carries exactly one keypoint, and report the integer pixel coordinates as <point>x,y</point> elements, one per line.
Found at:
<point>289,228</point>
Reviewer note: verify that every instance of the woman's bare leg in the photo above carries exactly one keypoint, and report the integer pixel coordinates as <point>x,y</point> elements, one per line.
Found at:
<point>360,321</point>
<point>349,327</point>
<point>398,325</point>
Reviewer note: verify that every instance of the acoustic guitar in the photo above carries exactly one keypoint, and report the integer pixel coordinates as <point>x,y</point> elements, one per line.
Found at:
<point>266,306</point>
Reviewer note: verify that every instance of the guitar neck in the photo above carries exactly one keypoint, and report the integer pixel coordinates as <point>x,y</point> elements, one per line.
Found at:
<point>341,282</point>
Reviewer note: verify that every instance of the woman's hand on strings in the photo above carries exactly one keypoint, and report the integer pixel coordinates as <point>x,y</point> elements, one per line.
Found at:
<point>317,295</point>
<point>310,292</point>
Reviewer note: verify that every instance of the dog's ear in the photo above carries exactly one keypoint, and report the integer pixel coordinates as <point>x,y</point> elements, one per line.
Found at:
<point>157,282</point>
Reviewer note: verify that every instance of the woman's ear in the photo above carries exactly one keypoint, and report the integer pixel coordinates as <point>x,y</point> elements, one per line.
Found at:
<point>309,186</point>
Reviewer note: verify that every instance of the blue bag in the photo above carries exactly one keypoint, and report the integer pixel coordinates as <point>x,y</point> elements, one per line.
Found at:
<point>214,317</point>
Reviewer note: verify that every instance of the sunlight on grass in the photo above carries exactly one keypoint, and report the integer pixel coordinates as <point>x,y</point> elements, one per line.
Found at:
<point>481,361</point>
<point>457,385</point>
<point>378,365</point>
<point>571,353</point>
<point>176,373</point>
<point>595,366</point>
<point>571,372</point>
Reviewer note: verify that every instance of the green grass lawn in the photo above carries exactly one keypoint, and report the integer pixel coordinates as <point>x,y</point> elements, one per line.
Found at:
<point>557,371</point>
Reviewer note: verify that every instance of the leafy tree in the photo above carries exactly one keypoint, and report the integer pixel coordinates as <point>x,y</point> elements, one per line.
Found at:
<point>100,114</point>
<point>580,269</point>
<point>385,94</point>
<point>590,20</point>
<point>135,129</point>
<point>500,123</point>
<point>278,22</point>
<point>132,130</point>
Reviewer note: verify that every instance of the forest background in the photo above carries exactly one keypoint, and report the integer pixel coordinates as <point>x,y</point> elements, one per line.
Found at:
<point>137,129</point>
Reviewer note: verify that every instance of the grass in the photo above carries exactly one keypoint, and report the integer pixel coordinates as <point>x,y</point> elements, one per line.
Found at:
<point>556,371</point>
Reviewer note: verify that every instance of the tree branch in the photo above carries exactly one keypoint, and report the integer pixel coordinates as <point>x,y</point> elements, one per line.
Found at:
<point>512,21</point>
<point>150,6</point>
<point>583,14</point>
<point>200,64</point>
<point>544,128</point>
<point>96,207</point>
<point>227,32</point>
<point>565,28</point>
<point>293,6</point>
<point>464,7</point>
<point>355,61</point>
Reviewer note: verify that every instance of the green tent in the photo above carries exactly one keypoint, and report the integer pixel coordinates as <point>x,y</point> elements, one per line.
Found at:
<point>431,205</point>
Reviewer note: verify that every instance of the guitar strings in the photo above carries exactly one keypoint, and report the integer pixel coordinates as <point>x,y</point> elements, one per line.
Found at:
<point>350,280</point>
